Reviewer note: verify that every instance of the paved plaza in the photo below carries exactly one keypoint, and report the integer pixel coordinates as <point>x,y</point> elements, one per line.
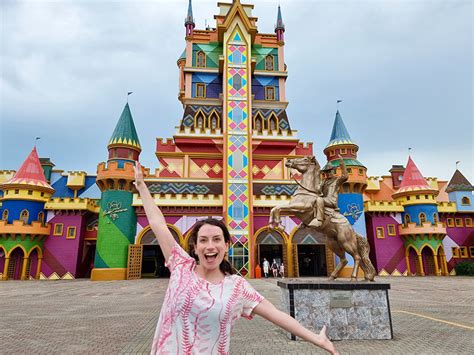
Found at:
<point>431,315</point>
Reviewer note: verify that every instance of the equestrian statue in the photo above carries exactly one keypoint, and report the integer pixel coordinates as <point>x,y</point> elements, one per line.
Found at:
<point>315,203</point>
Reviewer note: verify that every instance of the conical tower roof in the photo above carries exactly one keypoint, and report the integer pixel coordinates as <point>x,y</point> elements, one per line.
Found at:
<point>459,183</point>
<point>339,134</point>
<point>189,17</point>
<point>413,180</point>
<point>279,25</point>
<point>125,132</point>
<point>30,174</point>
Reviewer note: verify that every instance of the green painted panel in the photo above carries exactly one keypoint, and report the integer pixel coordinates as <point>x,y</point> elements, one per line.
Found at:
<point>117,229</point>
<point>213,51</point>
<point>418,242</point>
<point>28,244</point>
<point>259,53</point>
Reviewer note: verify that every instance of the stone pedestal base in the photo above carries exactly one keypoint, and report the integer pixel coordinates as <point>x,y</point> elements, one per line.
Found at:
<point>350,310</point>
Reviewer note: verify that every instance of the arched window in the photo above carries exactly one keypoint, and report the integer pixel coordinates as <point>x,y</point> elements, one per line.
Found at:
<point>41,217</point>
<point>466,201</point>
<point>199,122</point>
<point>110,184</point>
<point>273,123</point>
<point>422,218</point>
<point>435,218</point>
<point>5,215</point>
<point>269,63</point>
<point>214,121</point>
<point>24,216</point>
<point>121,184</point>
<point>406,219</point>
<point>201,59</point>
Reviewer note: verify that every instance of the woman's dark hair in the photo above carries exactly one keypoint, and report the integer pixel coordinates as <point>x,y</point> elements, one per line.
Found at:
<point>225,266</point>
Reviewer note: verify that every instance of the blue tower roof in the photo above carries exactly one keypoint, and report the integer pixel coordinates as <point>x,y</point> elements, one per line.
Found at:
<point>339,134</point>
<point>189,17</point>
<point>279,25</point>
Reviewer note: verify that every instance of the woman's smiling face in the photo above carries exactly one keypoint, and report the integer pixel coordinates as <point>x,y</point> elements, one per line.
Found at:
<point>210,246</point>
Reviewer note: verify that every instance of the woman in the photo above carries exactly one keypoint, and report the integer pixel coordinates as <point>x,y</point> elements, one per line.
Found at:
<point>204,297</point>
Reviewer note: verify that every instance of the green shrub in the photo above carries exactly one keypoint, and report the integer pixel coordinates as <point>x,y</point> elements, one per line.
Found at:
<point>465,268</point>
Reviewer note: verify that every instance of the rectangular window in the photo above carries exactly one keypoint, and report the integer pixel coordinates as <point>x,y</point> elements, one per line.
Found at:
<point>455,251</point>
<point>361,172</point>
<point>269,93</point>
<point>58,229</point>
<point>332,153</point>
<point>391,229</point>
<point>458,222</point>
<point>343,150</point>
<point>71,232</point>
<point>471,252</point>
<point>200,90</point>
<point>450,222</point>
<point>463,252</point>
<point>417,197</point>
<point>17,192</point>
<point>30,192</point>
<point>468,222</point>
<point>380,232</point>
<point>349,170</point>
<point>408,198</point>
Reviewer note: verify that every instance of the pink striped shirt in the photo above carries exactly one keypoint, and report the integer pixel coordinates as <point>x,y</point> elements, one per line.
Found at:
<point>197,316</point>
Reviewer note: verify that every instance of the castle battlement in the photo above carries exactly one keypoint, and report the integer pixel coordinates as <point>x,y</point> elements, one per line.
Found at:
<point>77,203</point>
<point>422,229</point>
<point>18,227</point>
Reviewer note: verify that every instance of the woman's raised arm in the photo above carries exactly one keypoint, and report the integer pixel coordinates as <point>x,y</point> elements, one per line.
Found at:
<point>155,217</point>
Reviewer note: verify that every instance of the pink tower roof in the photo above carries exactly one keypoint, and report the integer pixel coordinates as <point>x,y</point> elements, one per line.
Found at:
<point>413,180</point>
<point>30,173</point>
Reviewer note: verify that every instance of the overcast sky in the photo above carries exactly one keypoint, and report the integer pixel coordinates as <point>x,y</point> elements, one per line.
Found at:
<point>404,70</point>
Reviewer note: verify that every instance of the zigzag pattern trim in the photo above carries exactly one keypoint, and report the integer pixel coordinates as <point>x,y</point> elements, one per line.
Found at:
<point>279,190</point>
<point>55,276</point>
<point>178,188</point>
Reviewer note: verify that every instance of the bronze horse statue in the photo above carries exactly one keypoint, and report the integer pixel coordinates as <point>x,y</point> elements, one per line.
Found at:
<point>340,236</point>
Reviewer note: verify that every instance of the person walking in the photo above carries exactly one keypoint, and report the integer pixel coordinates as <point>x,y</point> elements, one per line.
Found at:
<point>275,268</point>
<point>205,296</point>
<point>282,270</point>
<point>266,267</point>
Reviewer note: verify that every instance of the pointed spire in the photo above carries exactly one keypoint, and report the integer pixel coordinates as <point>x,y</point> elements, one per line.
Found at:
<point>30,173</point>
<point>459,183</point>
<point>339,134</point>
<point>413,180</point>
<point>125,132</point>
<point>189,18</point>
<point>279,25</point>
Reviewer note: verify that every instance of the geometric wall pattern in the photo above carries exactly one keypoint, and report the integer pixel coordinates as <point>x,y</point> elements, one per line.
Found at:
<point>238,175</point>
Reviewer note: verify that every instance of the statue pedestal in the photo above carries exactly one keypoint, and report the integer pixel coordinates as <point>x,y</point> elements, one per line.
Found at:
<point>350,310</point>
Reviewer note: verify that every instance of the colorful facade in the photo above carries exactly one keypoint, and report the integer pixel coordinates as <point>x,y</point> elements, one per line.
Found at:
<point>226,160</point>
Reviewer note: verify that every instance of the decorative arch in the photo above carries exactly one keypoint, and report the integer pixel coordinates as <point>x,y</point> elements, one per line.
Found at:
<point>466,201</point>
<point>24,216</point>
<point>210,123</point>
<point>16,247</point>
<point>422,218</point>
<point>258,122</point>
<point>429,260</point>
<point>273,123</point>
<point>282,234</point>
<point>199,120</point>
<point>38,248</point>
<point>174,231</point>
<point>269,63</point>
<point>413,267</point>
<point>201,59</point>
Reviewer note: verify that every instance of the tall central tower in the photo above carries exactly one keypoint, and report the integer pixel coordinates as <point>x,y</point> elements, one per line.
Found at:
<point>237,32</point>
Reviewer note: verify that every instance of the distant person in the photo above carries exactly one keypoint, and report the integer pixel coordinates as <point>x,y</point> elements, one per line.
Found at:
<point>266,267</point>
<point>282,270</point>
<point>275,268</point>
<point>204,296</point>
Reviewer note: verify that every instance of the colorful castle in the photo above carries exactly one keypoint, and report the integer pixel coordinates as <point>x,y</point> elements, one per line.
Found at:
<point>226,160</point>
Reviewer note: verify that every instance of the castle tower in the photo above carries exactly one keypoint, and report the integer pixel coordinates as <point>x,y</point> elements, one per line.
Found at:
<point>459,190</point>
<point>421,231</point>
<point>117,218</point>
<point>350,199</point>
<point>23,229</point>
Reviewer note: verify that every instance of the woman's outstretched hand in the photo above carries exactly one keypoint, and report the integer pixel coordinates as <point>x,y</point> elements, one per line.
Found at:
<point>326,343</point>
<point>139,181</point>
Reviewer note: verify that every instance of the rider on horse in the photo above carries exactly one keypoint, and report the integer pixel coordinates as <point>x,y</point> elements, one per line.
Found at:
<point>329,190</point>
